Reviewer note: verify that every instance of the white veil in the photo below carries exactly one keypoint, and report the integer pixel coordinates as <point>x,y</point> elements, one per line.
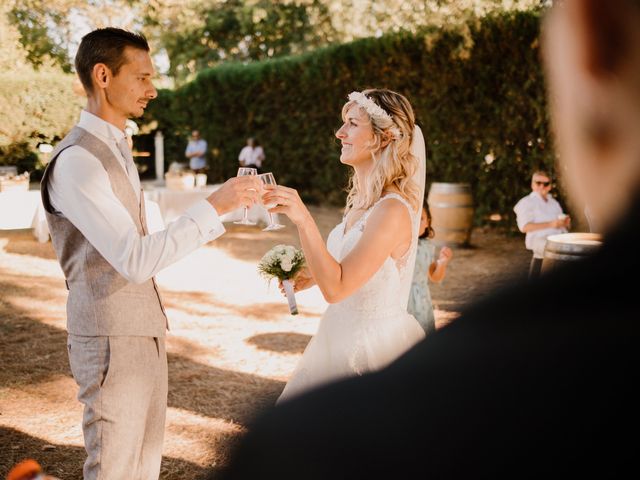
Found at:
<point>419,151</point>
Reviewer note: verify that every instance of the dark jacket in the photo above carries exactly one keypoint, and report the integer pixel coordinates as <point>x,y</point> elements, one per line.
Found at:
<point>535,381</point>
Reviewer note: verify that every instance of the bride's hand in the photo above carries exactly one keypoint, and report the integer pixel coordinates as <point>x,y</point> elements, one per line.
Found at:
<point>288,202</point>
<point>301,281</point>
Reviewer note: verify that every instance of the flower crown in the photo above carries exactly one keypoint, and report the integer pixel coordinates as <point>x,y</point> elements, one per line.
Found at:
<point>374,110</point>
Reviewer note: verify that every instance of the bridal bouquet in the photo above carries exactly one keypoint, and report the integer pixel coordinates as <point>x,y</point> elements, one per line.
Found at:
<point>283,262</point>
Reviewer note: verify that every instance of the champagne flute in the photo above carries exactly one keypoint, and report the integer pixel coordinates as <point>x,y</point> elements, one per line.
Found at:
<point>269,179</point>
<point>242,171</point>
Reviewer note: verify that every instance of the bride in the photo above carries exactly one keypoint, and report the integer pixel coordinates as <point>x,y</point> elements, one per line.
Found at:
<point>365,270</point>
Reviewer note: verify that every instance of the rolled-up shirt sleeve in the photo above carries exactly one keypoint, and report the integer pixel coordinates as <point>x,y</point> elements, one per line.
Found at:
<point>80,190</point>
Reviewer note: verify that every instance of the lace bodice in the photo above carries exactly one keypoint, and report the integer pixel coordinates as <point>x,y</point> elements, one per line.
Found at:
<point>383,292</point>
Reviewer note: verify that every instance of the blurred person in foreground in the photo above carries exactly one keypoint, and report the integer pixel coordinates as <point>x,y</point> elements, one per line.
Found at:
<point>539,380</point>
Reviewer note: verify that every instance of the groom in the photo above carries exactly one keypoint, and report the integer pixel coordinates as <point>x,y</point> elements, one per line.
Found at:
<point>95,210</point>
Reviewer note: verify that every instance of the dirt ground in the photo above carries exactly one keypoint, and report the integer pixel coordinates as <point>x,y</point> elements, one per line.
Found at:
<point>231,347</point>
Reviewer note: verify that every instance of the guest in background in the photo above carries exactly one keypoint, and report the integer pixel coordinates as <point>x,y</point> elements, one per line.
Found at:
<point>428,268</point>
<point>196,152</point>
<point>252,155</point>
<point>539,215</point>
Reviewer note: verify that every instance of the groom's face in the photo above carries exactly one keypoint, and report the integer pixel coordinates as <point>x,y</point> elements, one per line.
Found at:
<point>131,89</point>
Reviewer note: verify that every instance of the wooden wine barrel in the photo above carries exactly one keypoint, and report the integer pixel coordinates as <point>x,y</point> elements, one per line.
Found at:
<point>451,206</point>
<point>568,247</point>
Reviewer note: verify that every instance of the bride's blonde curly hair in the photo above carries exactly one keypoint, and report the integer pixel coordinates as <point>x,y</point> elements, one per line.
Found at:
<point>393,164</point>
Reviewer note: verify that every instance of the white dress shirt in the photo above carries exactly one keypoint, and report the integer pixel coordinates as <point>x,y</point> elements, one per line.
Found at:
<point>535,209</point>
<point>80,189</point>
<point>252,155</point>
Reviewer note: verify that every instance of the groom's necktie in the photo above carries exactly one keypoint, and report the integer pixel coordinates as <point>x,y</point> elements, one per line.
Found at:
<point>132,171</point>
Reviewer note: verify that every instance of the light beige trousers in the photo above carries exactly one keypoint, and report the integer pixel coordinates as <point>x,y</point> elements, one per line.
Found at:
<point>123,386</point>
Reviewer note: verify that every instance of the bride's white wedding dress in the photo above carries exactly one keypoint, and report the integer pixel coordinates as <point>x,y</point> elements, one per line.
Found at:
<point>366,330</point>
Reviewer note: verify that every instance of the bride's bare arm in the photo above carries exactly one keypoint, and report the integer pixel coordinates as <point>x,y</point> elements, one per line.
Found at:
<point>387,232</point>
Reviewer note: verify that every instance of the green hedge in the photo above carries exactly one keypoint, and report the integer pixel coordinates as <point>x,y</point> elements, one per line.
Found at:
<point>35,107</point>
<point>477,90</point>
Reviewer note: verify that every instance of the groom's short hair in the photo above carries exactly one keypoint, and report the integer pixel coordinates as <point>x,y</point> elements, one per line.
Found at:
<point>105,45</point>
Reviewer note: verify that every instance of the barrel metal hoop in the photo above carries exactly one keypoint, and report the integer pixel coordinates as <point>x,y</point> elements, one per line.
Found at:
<point>559,256</point>
<point>443,187</point>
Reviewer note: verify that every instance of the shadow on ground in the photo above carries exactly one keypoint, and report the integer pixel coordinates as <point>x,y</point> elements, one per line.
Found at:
<point>32,353</point>
<point>22,242</point>
<point>207,305</point>
<point>64,461</point>
<point>281,342</point>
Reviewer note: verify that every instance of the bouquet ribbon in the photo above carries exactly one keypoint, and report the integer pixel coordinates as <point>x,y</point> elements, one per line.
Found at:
<point>291,298</point>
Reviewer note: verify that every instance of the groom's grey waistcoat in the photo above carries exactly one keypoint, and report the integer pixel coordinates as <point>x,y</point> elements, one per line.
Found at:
<point>101,301</point>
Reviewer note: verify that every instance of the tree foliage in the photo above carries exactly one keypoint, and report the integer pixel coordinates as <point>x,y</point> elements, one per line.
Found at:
<point>35,36</point>
<point>37,105</point>
<point>49,30</point>
<point>477,90</point>
<point>203,33</point>
<point>197,34</point>
<point>475,82</point>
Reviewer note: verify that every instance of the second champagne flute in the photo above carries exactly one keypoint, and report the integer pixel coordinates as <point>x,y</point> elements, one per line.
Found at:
<point>269,179</point>
<point>242,171</point>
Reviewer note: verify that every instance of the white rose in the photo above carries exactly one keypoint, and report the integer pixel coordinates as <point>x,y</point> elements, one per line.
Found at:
<point>288,258</point>
<point>286,265</point>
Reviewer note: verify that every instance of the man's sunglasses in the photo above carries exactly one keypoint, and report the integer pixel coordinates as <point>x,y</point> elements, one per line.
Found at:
<point>544,184</point>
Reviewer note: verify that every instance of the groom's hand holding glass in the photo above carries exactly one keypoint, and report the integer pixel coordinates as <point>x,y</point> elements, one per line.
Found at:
<point>235,193</point>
